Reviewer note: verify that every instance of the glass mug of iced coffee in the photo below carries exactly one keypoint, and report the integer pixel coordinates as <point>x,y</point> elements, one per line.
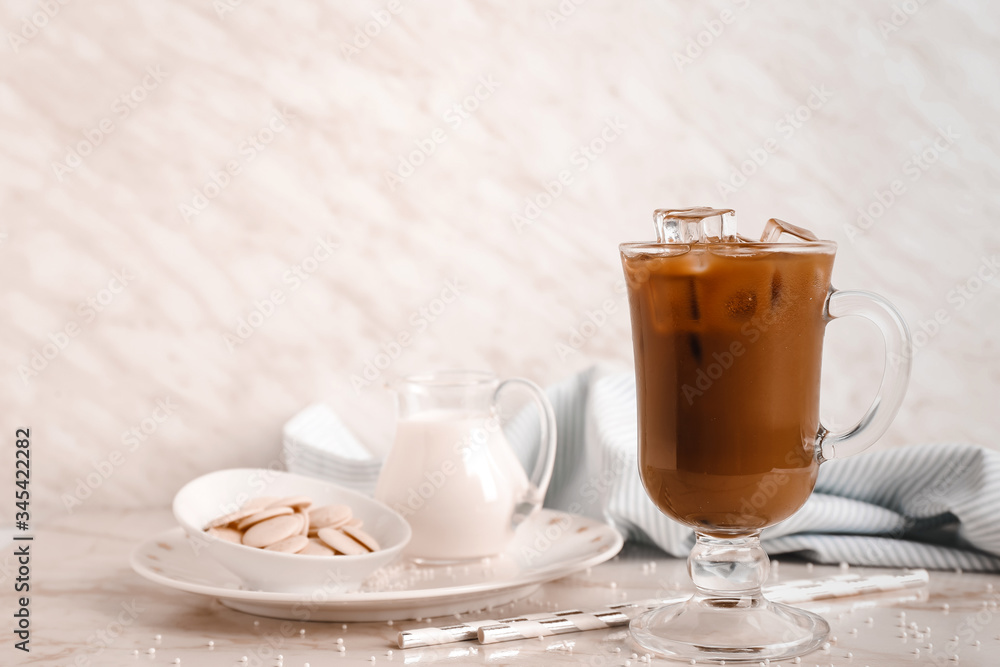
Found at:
<point>728,337</point>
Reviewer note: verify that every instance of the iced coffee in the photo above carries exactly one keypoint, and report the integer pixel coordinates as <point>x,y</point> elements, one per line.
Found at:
<point>728,338</point>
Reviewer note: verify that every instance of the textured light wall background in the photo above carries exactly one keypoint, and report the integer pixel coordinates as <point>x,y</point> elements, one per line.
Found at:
<point>200,233</point>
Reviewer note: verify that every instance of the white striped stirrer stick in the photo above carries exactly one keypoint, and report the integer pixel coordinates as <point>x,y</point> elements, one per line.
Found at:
<point>574,620</point>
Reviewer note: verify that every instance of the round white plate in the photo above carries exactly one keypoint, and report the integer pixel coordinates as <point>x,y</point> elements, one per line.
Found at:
<point>549,545</point>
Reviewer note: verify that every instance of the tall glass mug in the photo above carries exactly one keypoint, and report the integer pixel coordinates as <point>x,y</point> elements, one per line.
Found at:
<point>728,338</point>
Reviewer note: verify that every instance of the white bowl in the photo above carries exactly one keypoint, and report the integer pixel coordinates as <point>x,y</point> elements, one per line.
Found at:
<point>217,493</point>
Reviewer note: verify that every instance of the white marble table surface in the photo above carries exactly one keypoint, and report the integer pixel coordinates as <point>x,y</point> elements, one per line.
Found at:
<point>81,578</point>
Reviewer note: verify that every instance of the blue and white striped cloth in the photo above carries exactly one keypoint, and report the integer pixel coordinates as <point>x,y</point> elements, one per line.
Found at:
<point>933,506</point>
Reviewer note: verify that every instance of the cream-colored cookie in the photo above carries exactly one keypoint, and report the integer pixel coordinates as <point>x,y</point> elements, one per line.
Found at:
<point>304,530</point>
<point>263,515</point>
<point>329,516</point>
<point>272,530</point>
<point>259,503</point>
<point>340,542</point>
<point>358,535</point>
<point>289,545</point>
<point>291,525</point>
<point>300,502</point>
<point>227,534</point>
<point>316,548</point>
<point>227,519</point>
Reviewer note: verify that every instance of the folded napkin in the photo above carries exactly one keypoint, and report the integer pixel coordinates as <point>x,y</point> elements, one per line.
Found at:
<point>931,506</point>
<point>315,442</point>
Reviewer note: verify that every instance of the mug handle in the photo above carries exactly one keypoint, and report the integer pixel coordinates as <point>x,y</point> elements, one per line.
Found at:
<point>541,475</point>
<point>895,376</point>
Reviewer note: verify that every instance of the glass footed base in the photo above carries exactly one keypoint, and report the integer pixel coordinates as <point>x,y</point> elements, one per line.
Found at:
<point>730,630</point>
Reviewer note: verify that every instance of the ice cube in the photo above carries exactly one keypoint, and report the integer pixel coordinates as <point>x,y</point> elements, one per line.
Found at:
<point>694,341</point>
<point>700,224</point>
<point>693,291</point>
<point>774,229</point>
<point>775,288</point>
<point>742,304</point>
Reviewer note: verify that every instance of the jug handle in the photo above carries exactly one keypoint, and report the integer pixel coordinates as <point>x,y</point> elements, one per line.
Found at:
<point>541,475</point>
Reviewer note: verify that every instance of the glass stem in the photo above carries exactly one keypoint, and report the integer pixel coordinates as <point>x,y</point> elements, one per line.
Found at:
<point>728,571</point>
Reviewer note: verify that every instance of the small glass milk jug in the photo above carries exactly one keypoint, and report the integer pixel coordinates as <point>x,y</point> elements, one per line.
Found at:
<point>453,474</point>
